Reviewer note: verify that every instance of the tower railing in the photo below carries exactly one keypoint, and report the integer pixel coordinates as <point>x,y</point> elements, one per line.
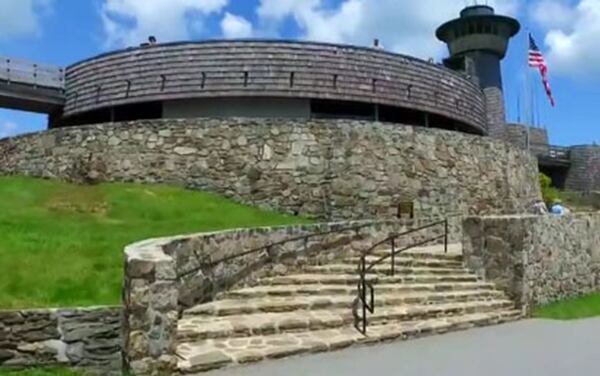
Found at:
<point>551,152</point>
<point>29,73</point>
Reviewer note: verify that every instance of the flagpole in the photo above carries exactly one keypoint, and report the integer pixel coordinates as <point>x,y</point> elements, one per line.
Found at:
<point>528,86</point>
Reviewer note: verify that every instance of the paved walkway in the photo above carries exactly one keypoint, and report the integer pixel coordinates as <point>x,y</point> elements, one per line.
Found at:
<point>528,348</point>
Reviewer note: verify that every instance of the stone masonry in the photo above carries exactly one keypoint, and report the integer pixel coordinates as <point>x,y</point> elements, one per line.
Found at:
<point>584,174</point>
<point>88,338</point>
<point>536,259</point>
<point>333,169</point>
<point>165,276</point>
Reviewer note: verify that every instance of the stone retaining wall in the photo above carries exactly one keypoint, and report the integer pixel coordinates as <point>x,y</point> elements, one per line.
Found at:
<point>331,169</point>
<point>163,276</point>
<point>584,173</point>
<point>536,259</point>
<point>88,338</point>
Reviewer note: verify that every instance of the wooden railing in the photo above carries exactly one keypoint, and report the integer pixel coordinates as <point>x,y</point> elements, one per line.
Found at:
<point>28,73</point>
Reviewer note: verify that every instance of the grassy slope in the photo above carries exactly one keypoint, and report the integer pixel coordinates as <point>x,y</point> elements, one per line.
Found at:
<point>41,372</point>
<point>578,308</point>
<point>61,244</point>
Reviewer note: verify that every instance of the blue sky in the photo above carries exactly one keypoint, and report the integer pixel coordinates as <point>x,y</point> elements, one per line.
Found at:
<point>64,31</point>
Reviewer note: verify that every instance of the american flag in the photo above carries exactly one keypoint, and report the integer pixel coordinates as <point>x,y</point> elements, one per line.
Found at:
<point>536,60</point>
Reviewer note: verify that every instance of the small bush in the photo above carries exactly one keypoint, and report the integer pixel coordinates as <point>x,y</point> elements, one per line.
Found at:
<point>549,193</point>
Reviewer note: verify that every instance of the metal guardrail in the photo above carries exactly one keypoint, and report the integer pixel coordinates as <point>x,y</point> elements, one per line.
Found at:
<point>267,248</point>
<point>368,305</point>
<point>28,73</point>
<point>551,152</point>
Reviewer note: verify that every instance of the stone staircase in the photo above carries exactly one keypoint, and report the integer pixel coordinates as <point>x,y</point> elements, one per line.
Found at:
<point>310,310</point>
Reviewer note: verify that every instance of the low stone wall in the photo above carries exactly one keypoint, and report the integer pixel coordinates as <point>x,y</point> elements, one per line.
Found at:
<point>330,169</point>
<point>584,173</point>
<point>88,338</point>
<point>536,259</point>
<point>163,276</point>
<point>517,135</point>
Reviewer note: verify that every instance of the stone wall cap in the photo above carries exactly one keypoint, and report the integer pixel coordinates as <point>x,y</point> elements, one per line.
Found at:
<point>59,310</point>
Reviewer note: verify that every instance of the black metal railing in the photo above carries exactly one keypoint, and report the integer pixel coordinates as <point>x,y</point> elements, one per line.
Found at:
<point>366,289</point>
<point>268,247</point>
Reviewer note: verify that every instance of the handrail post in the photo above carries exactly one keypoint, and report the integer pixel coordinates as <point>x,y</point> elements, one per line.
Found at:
<point>393,256</point>
<point>446,235</point>
<point>364,294</point>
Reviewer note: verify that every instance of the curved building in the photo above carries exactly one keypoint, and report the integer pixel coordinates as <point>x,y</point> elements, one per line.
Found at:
<point>326,130</point>
<point>270,79</point>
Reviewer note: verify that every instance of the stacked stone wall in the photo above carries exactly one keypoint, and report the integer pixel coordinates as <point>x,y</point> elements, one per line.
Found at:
<point>538,138</point>
<point>536,259</point>
<point>164,276</point>
<point>495,113</point>
<point>331,169</point>
<point>584,173</point>
<point>87,338</point>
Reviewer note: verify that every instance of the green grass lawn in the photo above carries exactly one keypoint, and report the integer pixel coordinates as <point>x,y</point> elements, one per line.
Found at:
<point>578,308</point>
<point>41,372</point>
<point>62,244</point>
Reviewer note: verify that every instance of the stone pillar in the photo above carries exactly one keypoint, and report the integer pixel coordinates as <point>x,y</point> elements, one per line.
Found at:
<point>584,173</point>
<point>495,112</point>
<point>150,299</point>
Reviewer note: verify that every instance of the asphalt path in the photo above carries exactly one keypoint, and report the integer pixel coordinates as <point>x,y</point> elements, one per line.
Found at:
<point>528,348</point>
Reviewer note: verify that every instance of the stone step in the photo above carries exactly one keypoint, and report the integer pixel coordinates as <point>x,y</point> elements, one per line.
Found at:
<point>352,279</point>
<point>195,328</point>
<point>409,262</point>
<point>332,289</point>
<point>217,353</point>
<point>384,269</point>
<point>229,307</point>
<point>436,253</point>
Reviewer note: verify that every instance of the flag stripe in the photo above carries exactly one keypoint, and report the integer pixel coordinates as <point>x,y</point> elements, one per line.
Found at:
<point>536,60</point>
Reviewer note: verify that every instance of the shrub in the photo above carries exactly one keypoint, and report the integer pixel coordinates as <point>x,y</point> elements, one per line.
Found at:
<point>549,193</point>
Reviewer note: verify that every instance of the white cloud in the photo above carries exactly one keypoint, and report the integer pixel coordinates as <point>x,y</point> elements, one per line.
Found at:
<point>574,47</point>
<point>8,129</point>
<point>233,26</point>
<point>21,17</point>
<point>130,22</point>
<point>405,26</point>
<point>553,14</point>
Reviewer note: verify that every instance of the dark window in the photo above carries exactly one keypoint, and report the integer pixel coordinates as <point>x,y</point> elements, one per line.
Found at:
<point>137,111</point>
<point>326,109</point>
<point>400,115</point>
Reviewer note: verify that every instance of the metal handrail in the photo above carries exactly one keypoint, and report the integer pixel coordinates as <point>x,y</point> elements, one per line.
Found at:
<point>360,321</point>
<point>551,151</point>
<point>271,245</point>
